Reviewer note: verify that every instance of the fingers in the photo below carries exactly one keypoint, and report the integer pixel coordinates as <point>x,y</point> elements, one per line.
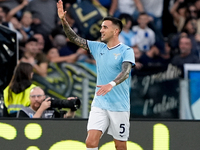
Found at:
<point>60,3</point>
<point>103,89</point>
<point>47,99</point>
<point>102,92</point>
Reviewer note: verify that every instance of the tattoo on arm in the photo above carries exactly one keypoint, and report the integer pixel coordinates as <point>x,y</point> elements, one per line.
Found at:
<point>73,37</point>
<point>123,75</point>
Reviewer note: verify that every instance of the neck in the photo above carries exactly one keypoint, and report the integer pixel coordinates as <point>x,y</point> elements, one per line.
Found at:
<point>142,27</point>
<point>113,42</point>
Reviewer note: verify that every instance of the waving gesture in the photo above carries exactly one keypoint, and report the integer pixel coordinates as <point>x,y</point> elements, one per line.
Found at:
<point>61,12</point>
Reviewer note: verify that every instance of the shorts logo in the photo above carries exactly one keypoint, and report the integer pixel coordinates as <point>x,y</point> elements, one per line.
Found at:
<point>116,55</point>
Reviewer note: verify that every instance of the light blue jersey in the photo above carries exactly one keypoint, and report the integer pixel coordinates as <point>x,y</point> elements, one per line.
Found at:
<point>109,65</point>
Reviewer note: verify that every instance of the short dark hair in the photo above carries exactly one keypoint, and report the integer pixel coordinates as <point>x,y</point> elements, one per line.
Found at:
<point>143,13</point>
<point>31,39</point>
<point>115,21</point>
<point>5,9</point>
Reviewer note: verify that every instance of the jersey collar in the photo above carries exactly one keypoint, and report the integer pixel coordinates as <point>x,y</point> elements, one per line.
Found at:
<point>114,46</point>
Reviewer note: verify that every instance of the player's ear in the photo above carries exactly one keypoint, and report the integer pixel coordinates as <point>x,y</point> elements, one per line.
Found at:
<point>116,31</point>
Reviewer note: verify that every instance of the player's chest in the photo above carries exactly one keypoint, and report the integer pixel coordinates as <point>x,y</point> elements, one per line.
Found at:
<point>110,58</point>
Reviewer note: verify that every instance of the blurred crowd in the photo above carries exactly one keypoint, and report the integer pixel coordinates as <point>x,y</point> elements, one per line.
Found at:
<point>160,32</point>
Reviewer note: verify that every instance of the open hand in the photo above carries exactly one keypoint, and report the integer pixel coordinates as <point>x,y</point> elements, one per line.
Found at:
<point>61,12</point>
<point>104,89</point>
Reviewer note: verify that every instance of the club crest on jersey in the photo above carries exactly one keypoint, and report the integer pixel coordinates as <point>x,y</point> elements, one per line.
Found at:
<point>116,55</point>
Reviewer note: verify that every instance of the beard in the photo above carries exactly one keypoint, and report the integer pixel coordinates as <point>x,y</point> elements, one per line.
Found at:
<point>104,41</point>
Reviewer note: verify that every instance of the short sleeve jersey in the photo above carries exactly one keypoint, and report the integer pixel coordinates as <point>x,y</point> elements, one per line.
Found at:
<point>109,65</point>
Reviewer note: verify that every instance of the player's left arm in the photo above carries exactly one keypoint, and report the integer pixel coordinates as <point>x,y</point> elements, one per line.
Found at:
<point>124,74</point>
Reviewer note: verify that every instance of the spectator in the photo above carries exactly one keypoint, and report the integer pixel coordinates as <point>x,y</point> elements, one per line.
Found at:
<point>127,36</point>
<point>59,41</point>
<point>152,58</point>
<point>16,27</point>
<point>3,13</point>
<point>11,4</point>
<point>15,10</point>
<point>138,54</point>
<point>40,107</point>
<point>44,19</point>
<point>149,62</point>
<point>145,37</point>
<point>186,55</point>
<point>35,57</point>
<point>53,56</point>
<point>16,94</point>
<point>168,53</point>
<point>154,9</point>
<point>25,20</point>
<point>189,30</point>
<point>40,41</point>
<point>21,34</point>
<point>181,14</point>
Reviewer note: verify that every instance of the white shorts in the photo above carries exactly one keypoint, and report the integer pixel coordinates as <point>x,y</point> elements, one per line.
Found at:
<point>117,123</point>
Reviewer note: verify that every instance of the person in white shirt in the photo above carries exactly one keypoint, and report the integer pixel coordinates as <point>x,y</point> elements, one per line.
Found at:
<point>145,37</point>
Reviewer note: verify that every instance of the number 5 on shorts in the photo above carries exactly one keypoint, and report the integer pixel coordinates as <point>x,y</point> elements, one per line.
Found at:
<point>123,128</point>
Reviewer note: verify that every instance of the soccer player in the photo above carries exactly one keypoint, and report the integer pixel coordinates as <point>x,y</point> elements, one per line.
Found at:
<point>114,60</point>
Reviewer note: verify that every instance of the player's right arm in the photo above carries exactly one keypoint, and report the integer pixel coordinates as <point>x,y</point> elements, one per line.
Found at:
<point>73,37</point>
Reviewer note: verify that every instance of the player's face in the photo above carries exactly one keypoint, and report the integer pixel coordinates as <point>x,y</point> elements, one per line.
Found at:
<point>107,31</point>
<point>36,96</point>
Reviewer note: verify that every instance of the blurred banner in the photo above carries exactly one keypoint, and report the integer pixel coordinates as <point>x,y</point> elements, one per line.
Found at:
<point>62,134</point>
<point>152,96</point>
<point>155,93</point>
<point>88,18</point>
<point>8,55</point>
<point>154,99</point>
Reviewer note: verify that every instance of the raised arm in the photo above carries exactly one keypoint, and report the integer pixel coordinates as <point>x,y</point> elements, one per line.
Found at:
<point>13,11</point>
<point>174,8</point>
<point>73,37</point>
<point>139,5</point>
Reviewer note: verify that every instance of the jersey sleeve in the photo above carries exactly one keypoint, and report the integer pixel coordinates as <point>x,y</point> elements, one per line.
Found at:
<point>129,56</point>
<point>94,46</point>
